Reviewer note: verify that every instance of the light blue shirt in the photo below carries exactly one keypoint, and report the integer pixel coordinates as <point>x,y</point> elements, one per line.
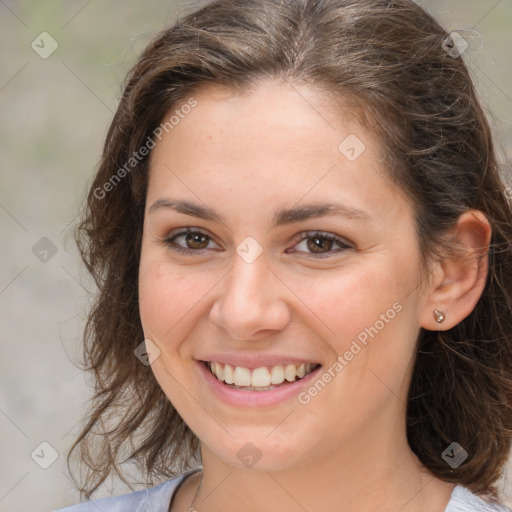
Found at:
<point>157,499</point>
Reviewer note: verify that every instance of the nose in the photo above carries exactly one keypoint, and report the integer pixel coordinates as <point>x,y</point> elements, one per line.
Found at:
<point>251,303</point>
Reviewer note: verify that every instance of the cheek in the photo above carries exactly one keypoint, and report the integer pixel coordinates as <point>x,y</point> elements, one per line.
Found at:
<point>371,318</point>
<point>165,296</point>
<point>381,344</point>
<point>351,301</point>
<point>171,298</point>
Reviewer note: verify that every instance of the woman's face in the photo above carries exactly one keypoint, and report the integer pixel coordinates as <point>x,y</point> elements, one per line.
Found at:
<point>273,279</point>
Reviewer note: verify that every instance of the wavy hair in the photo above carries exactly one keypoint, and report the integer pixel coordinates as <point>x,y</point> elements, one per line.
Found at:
<point>390,57</point>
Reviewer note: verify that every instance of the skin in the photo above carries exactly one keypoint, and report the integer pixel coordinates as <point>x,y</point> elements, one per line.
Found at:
<point>246,156</point>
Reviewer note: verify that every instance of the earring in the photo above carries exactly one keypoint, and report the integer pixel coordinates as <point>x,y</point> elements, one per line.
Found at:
<point>439,316</point>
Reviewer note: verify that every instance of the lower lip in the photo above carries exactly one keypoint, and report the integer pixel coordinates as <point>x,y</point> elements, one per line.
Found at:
<point>241,398</point>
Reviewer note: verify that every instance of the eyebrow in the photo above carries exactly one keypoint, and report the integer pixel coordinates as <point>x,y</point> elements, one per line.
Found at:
<point>281,217</point>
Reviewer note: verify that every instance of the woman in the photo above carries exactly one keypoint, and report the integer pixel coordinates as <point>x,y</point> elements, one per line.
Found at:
<point>303,250</point>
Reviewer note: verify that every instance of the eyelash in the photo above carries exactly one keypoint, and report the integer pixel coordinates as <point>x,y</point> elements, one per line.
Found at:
<point>168,241</point>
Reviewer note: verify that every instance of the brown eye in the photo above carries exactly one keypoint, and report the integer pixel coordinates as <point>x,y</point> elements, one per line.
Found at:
<point>193,241</point>
<point>320,245</point>
<point>196,240</point>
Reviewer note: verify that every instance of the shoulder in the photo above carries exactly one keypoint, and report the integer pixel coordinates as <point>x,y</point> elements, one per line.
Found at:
<point>155,498</point>
<point>463,500</point>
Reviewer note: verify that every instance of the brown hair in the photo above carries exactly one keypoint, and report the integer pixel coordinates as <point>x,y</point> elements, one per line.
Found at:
<point>389,56</point>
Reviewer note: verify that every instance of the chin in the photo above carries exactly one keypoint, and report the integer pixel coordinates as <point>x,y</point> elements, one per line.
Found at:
<point>254,450</point>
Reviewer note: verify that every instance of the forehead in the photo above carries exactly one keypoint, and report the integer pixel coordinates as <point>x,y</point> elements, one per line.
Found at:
<point>271,112</point>
<point>278,142</point>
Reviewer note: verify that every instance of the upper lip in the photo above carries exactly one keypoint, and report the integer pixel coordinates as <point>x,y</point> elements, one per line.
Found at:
<point>255,361</point>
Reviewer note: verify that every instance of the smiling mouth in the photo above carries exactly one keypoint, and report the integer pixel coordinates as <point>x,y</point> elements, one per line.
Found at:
<point>259,379</point>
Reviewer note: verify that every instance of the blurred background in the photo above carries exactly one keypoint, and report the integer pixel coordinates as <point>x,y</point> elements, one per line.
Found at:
<point>62,65</point>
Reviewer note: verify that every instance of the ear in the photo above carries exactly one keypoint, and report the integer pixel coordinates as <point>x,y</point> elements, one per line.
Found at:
<point>457,281</point>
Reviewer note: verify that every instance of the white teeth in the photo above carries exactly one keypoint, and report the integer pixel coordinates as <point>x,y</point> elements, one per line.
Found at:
<point>242,376</point>
<point>290,370</point>
<point>277,374</point>
<point>228,374</point>
<point>219,371</point>
<point>260,378</point>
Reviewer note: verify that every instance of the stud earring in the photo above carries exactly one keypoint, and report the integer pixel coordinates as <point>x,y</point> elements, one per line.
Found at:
<point>439,316</point>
